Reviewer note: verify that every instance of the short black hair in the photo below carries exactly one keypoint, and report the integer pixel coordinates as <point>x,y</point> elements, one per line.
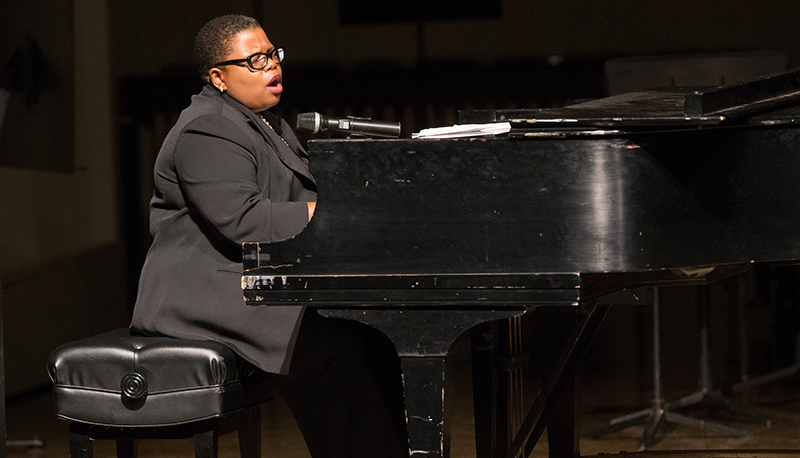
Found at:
<point>213,41</point>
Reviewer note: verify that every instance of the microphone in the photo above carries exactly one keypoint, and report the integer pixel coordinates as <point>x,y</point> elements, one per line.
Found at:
<point>316,122</point>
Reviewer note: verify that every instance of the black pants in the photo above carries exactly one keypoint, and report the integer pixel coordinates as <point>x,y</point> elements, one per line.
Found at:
<point>345,390</point>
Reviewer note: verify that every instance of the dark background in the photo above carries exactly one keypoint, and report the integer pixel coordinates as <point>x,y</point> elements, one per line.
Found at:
<point>73,202</point>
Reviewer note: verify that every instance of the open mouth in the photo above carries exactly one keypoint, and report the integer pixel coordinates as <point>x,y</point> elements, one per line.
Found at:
<point>275,85</point>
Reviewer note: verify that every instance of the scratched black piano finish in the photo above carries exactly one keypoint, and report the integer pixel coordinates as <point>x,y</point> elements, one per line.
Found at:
<point>425,239</point>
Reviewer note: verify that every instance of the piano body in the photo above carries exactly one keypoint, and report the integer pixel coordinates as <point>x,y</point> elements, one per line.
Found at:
<point>425,239</point>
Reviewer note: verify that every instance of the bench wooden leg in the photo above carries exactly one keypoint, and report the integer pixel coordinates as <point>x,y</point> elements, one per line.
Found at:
<point>206,444</point>
<point>250,436</point>
<point>126,448</point>
<point>80,446</point>
<point>246,422</point>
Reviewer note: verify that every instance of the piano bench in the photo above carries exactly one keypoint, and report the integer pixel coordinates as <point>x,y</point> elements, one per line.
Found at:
<point>124,387</point>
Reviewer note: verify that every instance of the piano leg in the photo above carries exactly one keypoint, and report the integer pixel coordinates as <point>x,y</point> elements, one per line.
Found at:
<point>552,329</point>
<point>497,363</point>
<point>557,382</point>
<point>426,397</point>
<point>484,378</point>
<point>563,428</point>
<point>422,339</point>
<point>547,333</point>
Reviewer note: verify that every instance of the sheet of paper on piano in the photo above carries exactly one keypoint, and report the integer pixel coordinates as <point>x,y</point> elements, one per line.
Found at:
<point>463,130</point>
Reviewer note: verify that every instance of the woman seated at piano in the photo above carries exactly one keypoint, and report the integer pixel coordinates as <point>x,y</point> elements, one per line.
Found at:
<point>228,172</point>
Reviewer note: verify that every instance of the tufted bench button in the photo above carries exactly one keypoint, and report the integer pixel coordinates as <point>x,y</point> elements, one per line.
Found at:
<point>133,386</point>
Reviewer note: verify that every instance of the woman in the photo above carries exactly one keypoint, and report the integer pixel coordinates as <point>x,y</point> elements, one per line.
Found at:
<point>230,172</point>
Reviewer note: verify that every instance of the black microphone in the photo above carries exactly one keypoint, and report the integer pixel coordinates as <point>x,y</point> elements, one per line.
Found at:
<point>316,122</point>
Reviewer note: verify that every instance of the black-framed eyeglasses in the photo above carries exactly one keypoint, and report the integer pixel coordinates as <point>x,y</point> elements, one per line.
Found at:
<point>258,60</point>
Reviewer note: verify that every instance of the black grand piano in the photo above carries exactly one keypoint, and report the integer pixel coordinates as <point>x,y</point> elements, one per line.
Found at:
<point>426,239</point>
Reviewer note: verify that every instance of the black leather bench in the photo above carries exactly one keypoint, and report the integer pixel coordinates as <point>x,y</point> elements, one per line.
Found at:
<point>124,387</point>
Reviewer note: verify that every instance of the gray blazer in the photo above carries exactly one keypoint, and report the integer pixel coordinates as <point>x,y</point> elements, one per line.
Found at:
<point>223,177</point>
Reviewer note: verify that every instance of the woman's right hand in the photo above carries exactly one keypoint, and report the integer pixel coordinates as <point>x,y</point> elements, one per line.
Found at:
<point>311,207</point>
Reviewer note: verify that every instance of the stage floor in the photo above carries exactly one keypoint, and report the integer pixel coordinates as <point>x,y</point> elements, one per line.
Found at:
<point>32,418</point>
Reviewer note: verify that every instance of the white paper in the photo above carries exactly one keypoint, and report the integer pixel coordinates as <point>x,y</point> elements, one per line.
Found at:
<point>463,130</point>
